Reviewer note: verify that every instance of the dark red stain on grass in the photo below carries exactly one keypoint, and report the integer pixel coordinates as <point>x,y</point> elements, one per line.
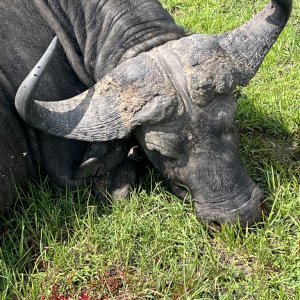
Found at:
<point>55,296</point>
<point>113,280</point>
<point>109,285</point>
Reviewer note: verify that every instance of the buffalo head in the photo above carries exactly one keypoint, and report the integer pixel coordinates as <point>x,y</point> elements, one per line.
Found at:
<point>177,100</point>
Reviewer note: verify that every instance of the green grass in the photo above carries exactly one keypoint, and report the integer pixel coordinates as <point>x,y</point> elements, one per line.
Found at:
<point>151,246</point>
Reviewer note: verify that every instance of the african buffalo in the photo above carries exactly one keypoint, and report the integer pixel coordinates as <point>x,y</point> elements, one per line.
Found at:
<point>130,76</point>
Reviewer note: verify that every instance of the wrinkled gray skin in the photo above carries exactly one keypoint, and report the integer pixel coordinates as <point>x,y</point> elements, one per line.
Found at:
<point>176,99</point>
<point>95,36</point>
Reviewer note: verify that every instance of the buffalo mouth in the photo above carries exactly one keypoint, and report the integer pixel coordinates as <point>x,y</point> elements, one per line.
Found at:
<point>247,213</point>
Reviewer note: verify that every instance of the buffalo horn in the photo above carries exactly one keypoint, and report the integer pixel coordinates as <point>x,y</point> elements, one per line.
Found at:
<point>90,116</point>
<point>249,44</point>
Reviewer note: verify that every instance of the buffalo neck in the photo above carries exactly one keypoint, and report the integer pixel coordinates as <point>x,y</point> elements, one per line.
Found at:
<point>106,32</point>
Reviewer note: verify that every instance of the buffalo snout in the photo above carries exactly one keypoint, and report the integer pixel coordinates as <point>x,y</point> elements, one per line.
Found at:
<point>247,214</point>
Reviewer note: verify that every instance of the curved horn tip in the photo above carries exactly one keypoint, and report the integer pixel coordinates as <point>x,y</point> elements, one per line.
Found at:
<point>23,99</point>
<point>54,42</point>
